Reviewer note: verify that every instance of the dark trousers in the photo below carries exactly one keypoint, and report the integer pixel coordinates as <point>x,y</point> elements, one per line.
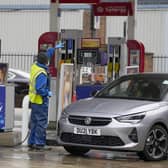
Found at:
<point>38,124</point>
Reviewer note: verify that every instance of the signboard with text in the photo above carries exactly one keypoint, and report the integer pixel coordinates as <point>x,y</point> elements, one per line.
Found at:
<point>113,9</point>
<point>90,43</point>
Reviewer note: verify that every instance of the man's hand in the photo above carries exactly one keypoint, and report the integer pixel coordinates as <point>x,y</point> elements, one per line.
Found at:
<point>50,94</point>
<point>50,52</point>
<point>59,45</point>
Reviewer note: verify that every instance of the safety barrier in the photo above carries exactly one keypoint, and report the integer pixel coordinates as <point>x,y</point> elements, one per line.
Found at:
<point>21,61</point>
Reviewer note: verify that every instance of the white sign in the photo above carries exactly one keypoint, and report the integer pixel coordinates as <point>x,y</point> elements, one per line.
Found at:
<point>65,91</point>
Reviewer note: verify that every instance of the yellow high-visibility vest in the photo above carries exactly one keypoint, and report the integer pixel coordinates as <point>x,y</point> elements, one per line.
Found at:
<point>33,96</point>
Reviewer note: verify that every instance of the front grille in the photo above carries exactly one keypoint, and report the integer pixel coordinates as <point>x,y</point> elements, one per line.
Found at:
<point>95,121</point>
<point>92,140</point>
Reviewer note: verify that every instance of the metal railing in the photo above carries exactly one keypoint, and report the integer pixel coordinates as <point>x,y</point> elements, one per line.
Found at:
<point>18,61</point>
<point>24,61</point>
<point>160,64</point>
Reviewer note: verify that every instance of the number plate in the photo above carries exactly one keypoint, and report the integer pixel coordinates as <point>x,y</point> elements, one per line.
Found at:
<point>87,131</point>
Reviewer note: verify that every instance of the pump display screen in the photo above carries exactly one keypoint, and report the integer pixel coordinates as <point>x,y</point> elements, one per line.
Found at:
<point>87,57</point>
<point>134,57</point>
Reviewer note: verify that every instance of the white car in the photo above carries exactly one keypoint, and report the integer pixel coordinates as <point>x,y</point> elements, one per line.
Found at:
<point>129,114</point>
<point>21,81</point>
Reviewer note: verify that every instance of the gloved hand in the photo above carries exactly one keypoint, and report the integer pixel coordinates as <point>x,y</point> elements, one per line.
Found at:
<point>59,45</point>
<point>50,94</point>
<point>50,52</point>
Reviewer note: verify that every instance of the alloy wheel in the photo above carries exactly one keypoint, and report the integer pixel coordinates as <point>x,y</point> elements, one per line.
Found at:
<point>156,143</point>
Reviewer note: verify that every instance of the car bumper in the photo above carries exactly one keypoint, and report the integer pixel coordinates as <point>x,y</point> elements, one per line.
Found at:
<point>114,136</point>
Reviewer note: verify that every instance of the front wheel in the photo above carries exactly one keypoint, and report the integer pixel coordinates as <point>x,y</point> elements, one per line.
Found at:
<point>76,150</point>
<point>156,144</point>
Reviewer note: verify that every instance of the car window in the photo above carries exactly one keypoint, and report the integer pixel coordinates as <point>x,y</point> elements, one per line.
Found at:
<point>135,88</point>
<point>120,89</point>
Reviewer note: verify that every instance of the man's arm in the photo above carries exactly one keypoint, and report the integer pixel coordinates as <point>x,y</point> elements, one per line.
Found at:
<point>41,85</point>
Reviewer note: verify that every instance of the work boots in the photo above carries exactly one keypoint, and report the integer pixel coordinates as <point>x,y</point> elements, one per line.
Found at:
<point>39,148</point>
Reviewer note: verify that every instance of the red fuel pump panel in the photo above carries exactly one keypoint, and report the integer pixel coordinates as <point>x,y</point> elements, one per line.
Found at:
<point>46,40</point>
<point>136,54</point>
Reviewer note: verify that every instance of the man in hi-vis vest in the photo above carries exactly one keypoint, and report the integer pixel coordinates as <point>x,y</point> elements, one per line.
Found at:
<point>39,93</point>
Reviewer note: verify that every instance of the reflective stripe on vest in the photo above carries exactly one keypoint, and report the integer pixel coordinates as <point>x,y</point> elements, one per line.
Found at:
<point>35,71</point>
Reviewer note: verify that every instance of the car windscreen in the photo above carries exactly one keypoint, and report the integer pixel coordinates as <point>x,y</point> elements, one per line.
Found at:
<point>133,87</point>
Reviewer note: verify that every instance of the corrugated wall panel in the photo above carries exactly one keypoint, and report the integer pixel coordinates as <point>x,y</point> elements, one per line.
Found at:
<point>23,2</point>
<point>114,26</point>
<point>19,30</point>
<point>165,33</point>
<point>149,30</point>
<point>152,31</point>
<point>71,20</point>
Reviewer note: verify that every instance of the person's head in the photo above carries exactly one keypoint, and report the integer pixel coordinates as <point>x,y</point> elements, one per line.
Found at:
<point>42,58</point>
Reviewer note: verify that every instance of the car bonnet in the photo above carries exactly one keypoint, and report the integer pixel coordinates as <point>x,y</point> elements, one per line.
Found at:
<point>112,107</point>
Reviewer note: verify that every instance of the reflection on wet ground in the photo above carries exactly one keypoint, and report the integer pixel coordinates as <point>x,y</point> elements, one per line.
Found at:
<point>20,157</point>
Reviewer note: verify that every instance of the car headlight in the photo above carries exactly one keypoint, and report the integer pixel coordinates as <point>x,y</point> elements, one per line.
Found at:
<point>132,118</point>
<point>64,115</point>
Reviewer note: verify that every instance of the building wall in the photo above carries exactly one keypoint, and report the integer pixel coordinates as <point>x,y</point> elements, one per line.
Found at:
<point>24,2</point>
<point>71,19</point>
<point>115,26</point>
<point>19,30</point>
<point>151,29</point>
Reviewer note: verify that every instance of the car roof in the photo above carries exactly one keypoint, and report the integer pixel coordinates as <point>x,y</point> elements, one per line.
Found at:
<point>20,72</point>
<point>148,74</point>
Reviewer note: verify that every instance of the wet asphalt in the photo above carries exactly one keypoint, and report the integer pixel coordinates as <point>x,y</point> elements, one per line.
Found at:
<point>21,157</point>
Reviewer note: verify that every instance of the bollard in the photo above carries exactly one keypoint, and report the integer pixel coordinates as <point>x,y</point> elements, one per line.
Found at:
<point>25,118</point>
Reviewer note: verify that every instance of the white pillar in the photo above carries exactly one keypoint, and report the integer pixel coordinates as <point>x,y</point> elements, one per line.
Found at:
<point>54,22</point>
<point>54,27</point>
<point>132,22</point>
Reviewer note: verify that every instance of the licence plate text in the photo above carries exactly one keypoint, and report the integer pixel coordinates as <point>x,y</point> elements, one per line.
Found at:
<point>87,131</point>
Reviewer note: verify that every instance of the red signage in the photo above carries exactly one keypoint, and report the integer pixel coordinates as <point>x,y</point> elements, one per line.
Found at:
<point>113,9</point>
<point>79,1</point>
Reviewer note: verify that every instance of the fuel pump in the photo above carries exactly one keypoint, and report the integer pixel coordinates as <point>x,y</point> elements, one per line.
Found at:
<point>116,48</point>
<point>68,51</point>
<point>136,53</point>
<point>46,40</point>
<point>6,100</point>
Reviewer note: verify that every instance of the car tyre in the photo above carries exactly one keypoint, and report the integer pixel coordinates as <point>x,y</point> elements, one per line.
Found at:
<point>156,144</point>
<point>76,150</point>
